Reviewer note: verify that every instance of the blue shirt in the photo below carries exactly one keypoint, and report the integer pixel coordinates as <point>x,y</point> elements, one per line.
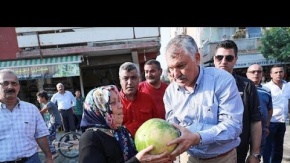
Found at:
<point>54,114</point>
<point>214,109</point>
<point>265,105</point>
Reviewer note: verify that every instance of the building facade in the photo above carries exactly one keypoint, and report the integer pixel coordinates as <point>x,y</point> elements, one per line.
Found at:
<point>246,38</point>
<point>248,42</point>
<point>80,58</point>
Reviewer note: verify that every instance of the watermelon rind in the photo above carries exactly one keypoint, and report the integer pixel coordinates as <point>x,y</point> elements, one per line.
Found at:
<point>156,132</point>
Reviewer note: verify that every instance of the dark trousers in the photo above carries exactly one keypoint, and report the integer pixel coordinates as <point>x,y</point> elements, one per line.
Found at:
<point>78,121</point>
<point>242,151</point>
<point>273,151</point>
<point>68,120</point>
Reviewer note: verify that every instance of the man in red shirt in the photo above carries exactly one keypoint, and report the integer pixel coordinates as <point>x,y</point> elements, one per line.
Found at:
<point>138,106</point>
<point>153,86</point>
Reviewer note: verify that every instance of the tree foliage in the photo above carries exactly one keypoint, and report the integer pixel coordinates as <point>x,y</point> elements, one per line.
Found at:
<point>276,43</point>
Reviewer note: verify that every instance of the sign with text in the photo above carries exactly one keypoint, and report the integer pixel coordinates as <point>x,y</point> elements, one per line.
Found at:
<point>262,62</point>
<point>48,71</point>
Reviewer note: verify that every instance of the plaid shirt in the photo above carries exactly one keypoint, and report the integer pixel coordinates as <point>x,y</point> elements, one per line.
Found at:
<point>19,131</point>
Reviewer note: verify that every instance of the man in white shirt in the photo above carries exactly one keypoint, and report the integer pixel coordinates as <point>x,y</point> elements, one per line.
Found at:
<point>280,92</point>
<point>65,101</point>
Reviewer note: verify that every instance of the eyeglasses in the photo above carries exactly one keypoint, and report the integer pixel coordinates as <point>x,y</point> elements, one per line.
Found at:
<point>229,58</point>
<point>6,83</point>
<point>255,71</point>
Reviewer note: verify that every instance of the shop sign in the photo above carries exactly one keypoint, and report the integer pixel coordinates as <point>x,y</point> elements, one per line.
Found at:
<point>261,62</point>
<point>48,71</point>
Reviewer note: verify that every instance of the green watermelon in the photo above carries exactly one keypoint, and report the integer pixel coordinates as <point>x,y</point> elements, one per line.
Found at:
<point>156,132</point>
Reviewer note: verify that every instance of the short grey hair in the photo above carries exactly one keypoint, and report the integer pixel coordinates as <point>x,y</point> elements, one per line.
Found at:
<point>59,84</point>
<point>186,42</point>
<point>129,66</point>
<point>9,71</point>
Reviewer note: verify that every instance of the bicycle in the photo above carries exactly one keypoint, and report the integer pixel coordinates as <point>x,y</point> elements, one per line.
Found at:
<point>68,148</point>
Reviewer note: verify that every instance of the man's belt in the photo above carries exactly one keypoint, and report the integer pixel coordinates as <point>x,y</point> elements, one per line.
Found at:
<point>65,109</point>
<point>20,160</point>
<point>221,155</point>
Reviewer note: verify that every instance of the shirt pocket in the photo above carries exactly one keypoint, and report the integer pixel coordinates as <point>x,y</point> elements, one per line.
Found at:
<point>29,127</point>
<point>209,113</point>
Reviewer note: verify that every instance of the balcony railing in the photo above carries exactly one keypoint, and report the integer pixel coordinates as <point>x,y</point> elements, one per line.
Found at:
<point>37,42</point>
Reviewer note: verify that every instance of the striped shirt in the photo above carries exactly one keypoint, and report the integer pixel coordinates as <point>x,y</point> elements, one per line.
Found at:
<point>265,106</point>
<point>19,131</point>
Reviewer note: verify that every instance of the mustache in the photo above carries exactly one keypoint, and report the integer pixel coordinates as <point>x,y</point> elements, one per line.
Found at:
<point>10,91</point>
<point>181,77</point>
<point>150,77</point>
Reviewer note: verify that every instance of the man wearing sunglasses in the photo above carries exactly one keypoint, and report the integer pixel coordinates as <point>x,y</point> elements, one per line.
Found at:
<point>225,58</point>
<point>280,92</point>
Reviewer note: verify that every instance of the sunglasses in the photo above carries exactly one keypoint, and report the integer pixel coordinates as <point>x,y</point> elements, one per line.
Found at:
<point>255,71</point>
<point>229,58</point>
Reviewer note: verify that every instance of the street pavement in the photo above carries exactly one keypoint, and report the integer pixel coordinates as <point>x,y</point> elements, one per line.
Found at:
<point>286,153</point>
<point>60,158</point>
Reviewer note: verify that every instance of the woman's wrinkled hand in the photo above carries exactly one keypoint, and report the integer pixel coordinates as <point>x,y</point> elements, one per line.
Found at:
<point>145,157</point>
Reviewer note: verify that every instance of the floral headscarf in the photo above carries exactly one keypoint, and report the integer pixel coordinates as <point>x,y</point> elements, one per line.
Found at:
<point>98,113</point>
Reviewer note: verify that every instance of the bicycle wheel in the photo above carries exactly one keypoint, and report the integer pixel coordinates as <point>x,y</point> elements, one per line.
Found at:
<point>68,145</point>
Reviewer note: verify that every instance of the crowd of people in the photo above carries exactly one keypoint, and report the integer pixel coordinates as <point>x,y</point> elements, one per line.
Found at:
<point>222,117</point>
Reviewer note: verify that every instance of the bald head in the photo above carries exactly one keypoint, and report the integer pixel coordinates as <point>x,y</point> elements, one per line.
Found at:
<point>255,67</point>
<point>60,88</point>
<point>255,73</point>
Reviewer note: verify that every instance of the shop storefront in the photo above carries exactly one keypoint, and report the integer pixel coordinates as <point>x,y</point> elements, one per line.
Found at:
<point>43,74</point>
<point>75,72</point>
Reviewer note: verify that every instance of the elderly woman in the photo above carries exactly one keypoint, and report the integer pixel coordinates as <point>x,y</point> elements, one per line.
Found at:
<point>105,140</point>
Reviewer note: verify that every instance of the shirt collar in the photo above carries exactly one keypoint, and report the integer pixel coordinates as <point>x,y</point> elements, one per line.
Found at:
<point>122,94</point>
<point>199,78</point>
<point>3,106</point>
<point>283,82</point>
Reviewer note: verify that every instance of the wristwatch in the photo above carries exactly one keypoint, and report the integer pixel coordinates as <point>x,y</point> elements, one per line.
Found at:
<point>257,155</point>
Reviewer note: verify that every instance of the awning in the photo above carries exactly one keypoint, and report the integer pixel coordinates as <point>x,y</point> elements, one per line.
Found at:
<point>247,60</point>
<point>53,67</point>
<point>41,62</point>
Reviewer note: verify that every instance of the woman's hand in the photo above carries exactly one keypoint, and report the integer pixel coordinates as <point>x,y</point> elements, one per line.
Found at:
<point>144,156</point>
